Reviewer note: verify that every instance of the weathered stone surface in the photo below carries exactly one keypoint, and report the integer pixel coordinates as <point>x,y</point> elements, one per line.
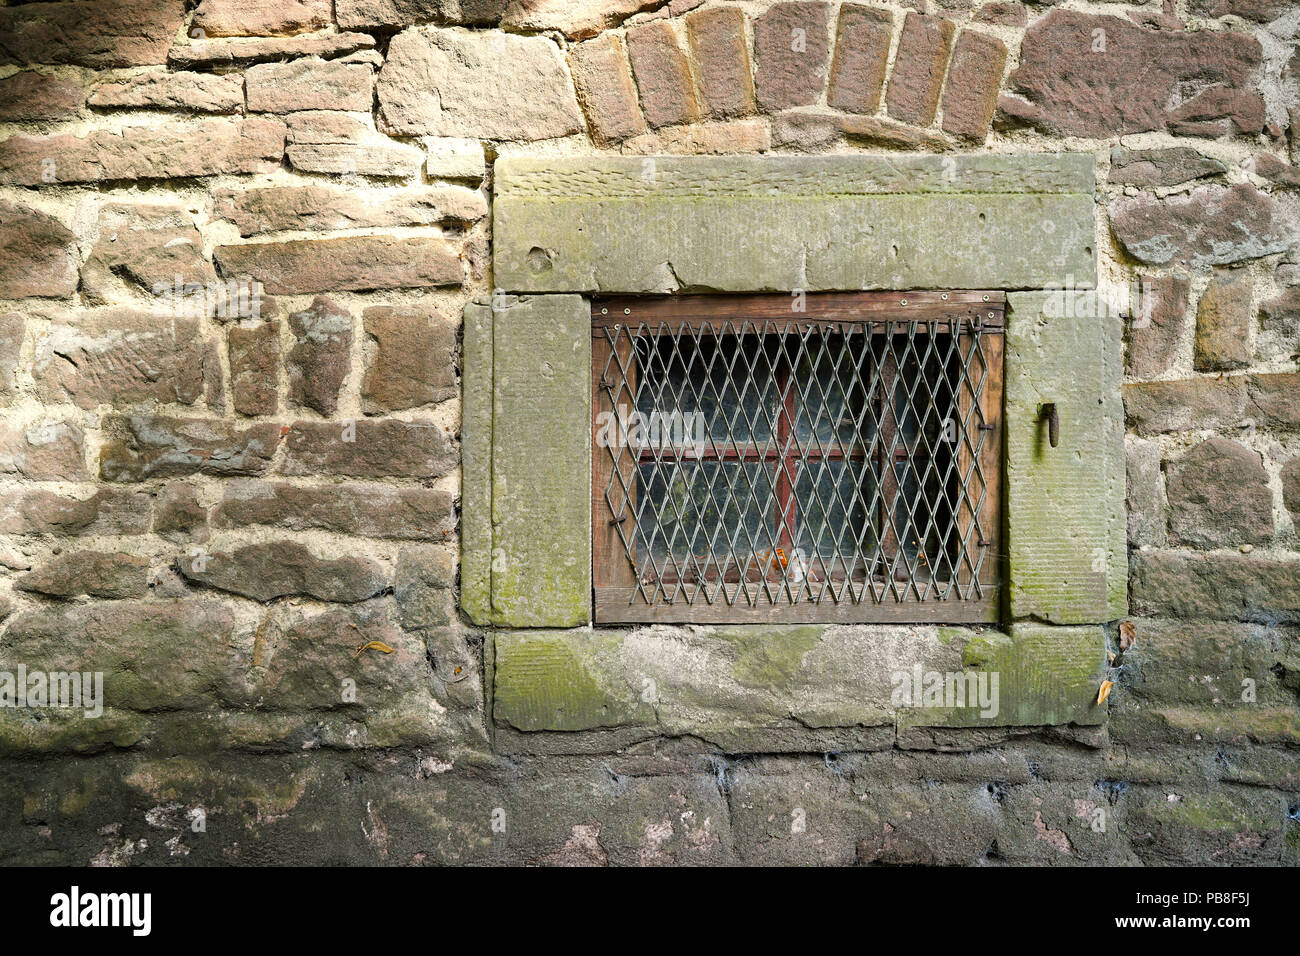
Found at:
<point>1148,512</point>
<point>1273,400</point>
<point>913,94</point>
<point>178,515</point>
<point>879,131</point>
<point>1219,110</point>
<point>413,361</point>
<point>1279,320</point>
<point>309,84</point>
<point>791,54</point>
<point>369,510</point>
<point>717,40</point>
<point>235,18</point>
<point>273,208</point>
<point>476,463</point>
<point>662,74</point>
<point>1219,496</point>
<point>155,248</point>
<point>808,130</point>
<point>28,96</point>
<point>94,33</point>
<point>1223,585</point>
<point>89,573</point>
<point>541,505</point>
<point>1156,407</point>
<point>302,266</point>
<point>113,355</point>
<point>861,55</point>
<point>443,83</point>
<point>154,655</point>
<point>44,450</point>
<point>422,588</point>
<point>970,96</point>
<point>281,568</point>
<point>749,135</point>
<point>1160,315</point>
<point>452,157</point>
<point>107,511</point>
<point>36,254</point>
<point>321,356</point>
<point>254,355</point>
<point>1274,170</point>
<point>320,141</point>
<point>373,448</point>
<point>1223,323</point>
<point>1291,488</point>
<point>201,92</point>
<point>1160,167</point>
<point>606,90</point>
<point>1005,14</point>
<point>12,329</point>
<point>203,148</point>
<point>153,446</point>
<point>1212,225</point>
<point>781,223</point>
<point>1065,505</point>
<point>1057,83</point>
<point>572,19</point>
<point>204,53</point>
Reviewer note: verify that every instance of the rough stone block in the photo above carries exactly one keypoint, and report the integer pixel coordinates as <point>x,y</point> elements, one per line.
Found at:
<point>413,358</point>
<point>36,254</point>
<point>913,94</point>
<point>861,55</point>
<point>299,266</point>
<point>200,92</point>
<point>321,356</point>
<point>606,90</point>
<point>1219,496</point>
<point>721,54</point>
<point>309,84</point>
<point>970,95</point>
<point>373,448</point>
<point>663,76</point>
<point>791,54</point>
<point>370,510</point>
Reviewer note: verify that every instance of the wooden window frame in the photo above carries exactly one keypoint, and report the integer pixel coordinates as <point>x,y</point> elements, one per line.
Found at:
<point>981,312</point>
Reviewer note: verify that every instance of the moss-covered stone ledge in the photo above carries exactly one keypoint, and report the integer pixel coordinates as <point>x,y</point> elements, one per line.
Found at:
<point>787,689</point>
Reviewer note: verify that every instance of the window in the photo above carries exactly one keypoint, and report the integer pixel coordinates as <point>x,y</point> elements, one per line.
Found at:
<point>831,457</point>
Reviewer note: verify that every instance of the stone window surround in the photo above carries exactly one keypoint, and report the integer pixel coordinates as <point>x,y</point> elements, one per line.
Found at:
<point>564,229</point>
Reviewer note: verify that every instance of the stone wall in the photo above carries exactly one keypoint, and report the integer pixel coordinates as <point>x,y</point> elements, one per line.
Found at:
<point>236,242</point>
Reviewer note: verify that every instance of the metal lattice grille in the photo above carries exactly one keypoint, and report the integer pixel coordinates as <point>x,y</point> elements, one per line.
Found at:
<point>757,463</point>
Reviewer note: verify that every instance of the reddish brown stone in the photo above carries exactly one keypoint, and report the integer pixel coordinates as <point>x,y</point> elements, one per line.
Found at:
<point>970,96</point>
<point>93,33</point>
<point>206,148</point>
<point>350,263</point>
<point>369,448</point>
<point>28,96</point>
<point>1219,111</point>
<point>178,515</point>
<point>264,572</point>
<point>1188,404</point>
<point>1160,167</point>
<point>1223,320</point>
<point>791,52</point>
<point>1261,11</point>
<point>156,248</point>
<point>274,208</point>
<point>321,141</point>
<point>254,368</point>
<point>605,89</point>
<point>1219,496</point>
<point>1273,400</point>
<point>155,446</point>
<point>717,39</point>
<point>309,84</point>
<point>321,356</point>
<point>207,54</point>
<point>239,18</point>
<point>1098,76</point>
<point>861,55</point>
<point>44,450</point>
<point>1291,488</point>
<point>116,355</point>
<point>413,358</point>
<point>1004,14</point>
<point>663,77</point>
<point>370,510</point>
<point>107,511</point>
<point>202,92</point>
<point>36,254</point>
<point>1274,170</point>
<point>913,94</point>
<point>1211,225</point>
<point>90,573</point>
<point>884,132</point>
<point>1158,318</point>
